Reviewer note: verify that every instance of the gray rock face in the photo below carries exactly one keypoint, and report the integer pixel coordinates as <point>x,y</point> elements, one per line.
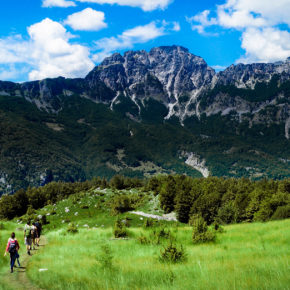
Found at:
<point>172,76</point>
<point>168,71</point>
<point>246,76</point>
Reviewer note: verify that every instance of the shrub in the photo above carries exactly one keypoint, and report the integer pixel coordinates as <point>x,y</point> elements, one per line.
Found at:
<point>227,213</point>
<point>72,228</point>
<point>119,229</point>
<point>121,204</point>
<point>30,211</point>
<point>148,223</point>
<point>201,233</point>
<point>143,240</point>
<point>172,254</point>
<point>217,227</point>
<point>282,212</point>
<point>106,257</point>
<point>44,220</point>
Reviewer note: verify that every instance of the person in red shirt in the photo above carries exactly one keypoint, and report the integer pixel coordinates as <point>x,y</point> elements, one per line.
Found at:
<point>12,248</point>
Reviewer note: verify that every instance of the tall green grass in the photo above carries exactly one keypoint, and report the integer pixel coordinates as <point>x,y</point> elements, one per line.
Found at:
<point>246,256</point>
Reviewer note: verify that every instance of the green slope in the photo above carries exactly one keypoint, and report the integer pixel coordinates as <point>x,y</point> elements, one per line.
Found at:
<point>87,139</point>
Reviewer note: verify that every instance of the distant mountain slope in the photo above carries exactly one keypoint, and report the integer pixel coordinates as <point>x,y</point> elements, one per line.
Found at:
<point>143,113</point>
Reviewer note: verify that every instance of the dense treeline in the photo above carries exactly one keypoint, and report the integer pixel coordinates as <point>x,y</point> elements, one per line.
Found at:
<point>214,199</point>
<point>23,201</point>
<point>223,200</point>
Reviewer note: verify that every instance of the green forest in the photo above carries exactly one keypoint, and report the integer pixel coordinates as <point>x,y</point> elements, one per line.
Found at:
<point>216,200</point>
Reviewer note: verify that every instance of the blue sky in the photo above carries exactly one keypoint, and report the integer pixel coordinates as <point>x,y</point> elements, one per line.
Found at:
<point>48,38</point>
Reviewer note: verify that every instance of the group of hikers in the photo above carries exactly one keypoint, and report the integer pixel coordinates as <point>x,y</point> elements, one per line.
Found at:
<point>32,234</point>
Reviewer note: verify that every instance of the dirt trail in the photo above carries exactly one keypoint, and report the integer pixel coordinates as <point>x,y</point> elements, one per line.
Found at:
<point>165,217</point>
<point>19,279</point>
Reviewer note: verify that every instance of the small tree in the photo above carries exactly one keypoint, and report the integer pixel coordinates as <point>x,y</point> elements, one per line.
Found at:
<point>119,229</point>
<point>106,257</point>
<point>72,228</point>
<point>172,254</point>
<point>201,233</point>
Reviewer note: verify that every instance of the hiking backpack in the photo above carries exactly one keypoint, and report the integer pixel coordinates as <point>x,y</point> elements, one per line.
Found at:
<point>28,232</point>
<point>12,247</point>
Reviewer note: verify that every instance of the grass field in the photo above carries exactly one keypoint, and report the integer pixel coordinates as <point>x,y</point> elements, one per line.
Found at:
<point>246,256</point>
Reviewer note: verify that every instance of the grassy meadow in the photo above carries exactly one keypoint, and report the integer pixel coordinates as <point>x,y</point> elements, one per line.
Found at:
<point>244,256</point>
<point>247,256</point>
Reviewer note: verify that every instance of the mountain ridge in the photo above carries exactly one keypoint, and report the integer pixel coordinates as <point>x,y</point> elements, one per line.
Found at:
<point>166,110</point>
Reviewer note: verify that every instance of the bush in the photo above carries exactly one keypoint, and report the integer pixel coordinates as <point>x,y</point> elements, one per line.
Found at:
<point>121,204</point>
<point>72,228</point>
<point>217,227</point>
<point>148,223</point>
<point>201,233</point>
<point>119,229</point>
<point>30,211</point>
<point>143,240</point>
<point>282,212</point>
<point>106,257</point>
<point>44,220</point>
<point>227,213</point>
<point>172,254</point>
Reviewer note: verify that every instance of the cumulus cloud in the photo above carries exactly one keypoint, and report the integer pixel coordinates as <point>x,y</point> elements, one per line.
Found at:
<point>58,3</point>
<point>87,19</point>
<point>265,45</point>
<point>54,55</point>
<point>128,38</point>
<point>48,52</point>
<point>146,5</point>
<point>259,22</point>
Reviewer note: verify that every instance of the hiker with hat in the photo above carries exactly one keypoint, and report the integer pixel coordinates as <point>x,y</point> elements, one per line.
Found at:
<point>12,248</point>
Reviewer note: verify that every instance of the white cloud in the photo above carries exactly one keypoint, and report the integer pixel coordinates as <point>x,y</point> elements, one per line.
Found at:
<point>128,38</point>
<point>146,5</point>
<point>47,53</point>
<point>262,39</point>
<point>54,55</point>
<point>265,45</point>
<point>176,26</point>
<point>87,19</point>
<point>58,3</point>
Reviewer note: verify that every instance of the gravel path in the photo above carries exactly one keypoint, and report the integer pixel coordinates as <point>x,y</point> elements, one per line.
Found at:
<point>165,217</point>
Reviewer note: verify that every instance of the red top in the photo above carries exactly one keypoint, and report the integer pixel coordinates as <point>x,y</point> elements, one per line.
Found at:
<point>12,241</point>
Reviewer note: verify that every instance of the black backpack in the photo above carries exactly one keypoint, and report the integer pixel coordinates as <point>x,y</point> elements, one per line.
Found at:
<point>12,247</point>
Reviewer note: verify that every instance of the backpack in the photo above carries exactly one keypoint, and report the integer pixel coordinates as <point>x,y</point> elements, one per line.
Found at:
<point>28,232</point>
<point>38,226</point>
<point>12,247</point>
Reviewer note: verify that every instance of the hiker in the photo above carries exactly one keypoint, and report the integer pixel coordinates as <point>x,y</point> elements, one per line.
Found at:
<point>27,236</point>
<point>12,248</point>
<point>33,234</point>
<point>39,228</point>
<point>17,254</point>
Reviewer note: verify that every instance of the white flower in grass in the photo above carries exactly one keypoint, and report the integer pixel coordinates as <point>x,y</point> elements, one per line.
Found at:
<point>76,213</point>
<point>48,214</point>
<point>102,226</point>
<point>62,221</point>
<point>66,209</point>
<point>39,216</point>
<point>86,226</point>
<point>141,218</point>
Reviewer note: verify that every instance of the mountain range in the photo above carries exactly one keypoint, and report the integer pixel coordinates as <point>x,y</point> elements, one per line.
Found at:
<point>143,113</point>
